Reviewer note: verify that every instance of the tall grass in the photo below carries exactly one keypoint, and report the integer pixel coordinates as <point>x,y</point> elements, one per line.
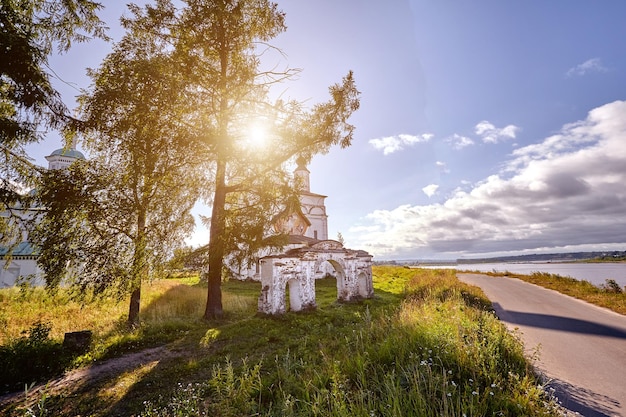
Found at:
<point>441,352</point>
<point>425,345</point>
<point>171,309</point>
<point>19,309</point>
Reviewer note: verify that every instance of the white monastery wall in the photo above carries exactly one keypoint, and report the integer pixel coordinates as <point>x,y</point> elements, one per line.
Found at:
<point>23,264</point>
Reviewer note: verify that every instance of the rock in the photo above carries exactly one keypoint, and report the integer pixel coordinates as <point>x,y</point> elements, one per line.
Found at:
<point>77,342</point>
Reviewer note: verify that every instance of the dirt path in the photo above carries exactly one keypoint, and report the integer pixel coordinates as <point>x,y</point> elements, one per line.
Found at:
<point>88,376</point>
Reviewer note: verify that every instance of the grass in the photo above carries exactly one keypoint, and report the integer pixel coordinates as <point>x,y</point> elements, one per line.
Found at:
<point>426,345</point>
<point>609,295</point>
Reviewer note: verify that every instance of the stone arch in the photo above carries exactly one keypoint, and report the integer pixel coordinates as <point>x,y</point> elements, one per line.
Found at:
<point>340,274</point>
<point>337,266</point>
<point>298,269</point>
<point>334,268</point>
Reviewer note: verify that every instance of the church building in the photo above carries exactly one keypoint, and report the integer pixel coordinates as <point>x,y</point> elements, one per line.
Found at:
<point>311,204</point>
<point>288,278</point>
<point>22,262</point>
<point>304,227</point>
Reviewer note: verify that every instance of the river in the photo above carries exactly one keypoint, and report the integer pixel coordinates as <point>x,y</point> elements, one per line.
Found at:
<point>596,273</point>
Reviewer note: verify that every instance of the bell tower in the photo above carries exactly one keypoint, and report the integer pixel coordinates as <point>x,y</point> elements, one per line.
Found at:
<point>301,174</point>
<point>311,204</point>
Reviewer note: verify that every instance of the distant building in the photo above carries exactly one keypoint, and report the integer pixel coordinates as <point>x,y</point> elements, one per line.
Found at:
<point>312,205</point>
<point>288,278</point>
<point>21,263</point>
<point>305,227</point>
<point>63,158</point>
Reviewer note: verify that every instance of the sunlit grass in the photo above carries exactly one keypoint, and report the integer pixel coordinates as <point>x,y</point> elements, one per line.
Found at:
<point>162,301</point>
<point>425,345</point>
<point>20,309</point>
<point>439,352</point>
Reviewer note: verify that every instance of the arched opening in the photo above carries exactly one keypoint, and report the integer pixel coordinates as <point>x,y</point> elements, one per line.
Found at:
<point>332,284</point>
<point>294,295</point>
<point>320,274</point>
<point>362,286</point>
<point>340,275</point>
<point>329,276</point>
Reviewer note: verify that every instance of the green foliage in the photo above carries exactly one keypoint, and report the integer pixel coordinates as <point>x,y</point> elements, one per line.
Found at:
<point>113,222</point>
<point>31,29</point>
<point>33,357</point>
<point>612,286</point>
<point>29,105</point>
<point>226,92</point>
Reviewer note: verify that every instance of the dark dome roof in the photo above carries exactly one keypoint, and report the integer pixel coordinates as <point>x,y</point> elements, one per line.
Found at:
<point>72,153</point>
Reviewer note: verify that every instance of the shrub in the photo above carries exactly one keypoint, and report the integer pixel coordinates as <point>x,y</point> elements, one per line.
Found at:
<point>33,357</point>
<point>612,286</point>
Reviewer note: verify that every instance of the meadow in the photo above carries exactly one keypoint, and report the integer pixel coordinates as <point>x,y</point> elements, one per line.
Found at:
<point>425,345</point>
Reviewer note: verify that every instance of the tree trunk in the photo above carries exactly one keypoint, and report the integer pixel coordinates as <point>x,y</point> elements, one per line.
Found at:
<point>139,271</point>
<point>133,310</point>
<point>216,247</point>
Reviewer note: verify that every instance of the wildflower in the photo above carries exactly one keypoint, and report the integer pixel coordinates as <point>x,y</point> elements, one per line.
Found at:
<point>474,392</point>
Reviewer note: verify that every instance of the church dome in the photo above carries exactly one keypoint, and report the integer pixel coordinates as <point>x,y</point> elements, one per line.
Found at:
<point>72,153</point>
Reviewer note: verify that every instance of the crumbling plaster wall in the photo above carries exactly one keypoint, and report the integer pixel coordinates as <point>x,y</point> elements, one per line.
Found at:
<point>299,269</point>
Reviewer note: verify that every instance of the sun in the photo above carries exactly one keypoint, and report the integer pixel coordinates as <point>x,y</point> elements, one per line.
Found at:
<point>257,135</point>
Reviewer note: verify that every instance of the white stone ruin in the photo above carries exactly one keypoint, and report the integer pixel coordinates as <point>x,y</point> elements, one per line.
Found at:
<point>298,268</point>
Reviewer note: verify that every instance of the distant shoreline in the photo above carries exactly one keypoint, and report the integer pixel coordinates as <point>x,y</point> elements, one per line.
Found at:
<point>572,257</point>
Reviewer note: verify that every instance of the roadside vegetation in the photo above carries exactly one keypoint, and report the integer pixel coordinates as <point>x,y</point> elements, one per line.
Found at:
<point>608,295</point>
<point>426,345</point>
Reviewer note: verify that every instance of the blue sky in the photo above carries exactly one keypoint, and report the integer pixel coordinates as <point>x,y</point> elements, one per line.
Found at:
<point>485,128</point>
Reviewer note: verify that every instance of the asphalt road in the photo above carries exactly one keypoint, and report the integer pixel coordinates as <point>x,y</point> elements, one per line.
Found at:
<point>580,348</point>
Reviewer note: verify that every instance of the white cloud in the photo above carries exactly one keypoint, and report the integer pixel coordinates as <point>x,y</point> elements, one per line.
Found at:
<point>565,192</point>
<point>391,144</point>
<point>459,142</point>
<point>442,167</point>
<point>491,134</point>
<point>430,190</point>
<point>590,65</point>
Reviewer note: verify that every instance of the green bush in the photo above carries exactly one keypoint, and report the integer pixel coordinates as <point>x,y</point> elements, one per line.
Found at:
<point>612,286</point>
<point>31,358</point>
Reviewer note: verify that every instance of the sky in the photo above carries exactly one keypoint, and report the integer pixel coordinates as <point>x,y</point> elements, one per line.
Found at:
<point>486,128</point>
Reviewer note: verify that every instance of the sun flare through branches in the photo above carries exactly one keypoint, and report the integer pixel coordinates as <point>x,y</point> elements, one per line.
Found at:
<point>256,135</point>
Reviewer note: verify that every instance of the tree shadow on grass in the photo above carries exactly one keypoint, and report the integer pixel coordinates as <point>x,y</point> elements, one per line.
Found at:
<point>171,321</point>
